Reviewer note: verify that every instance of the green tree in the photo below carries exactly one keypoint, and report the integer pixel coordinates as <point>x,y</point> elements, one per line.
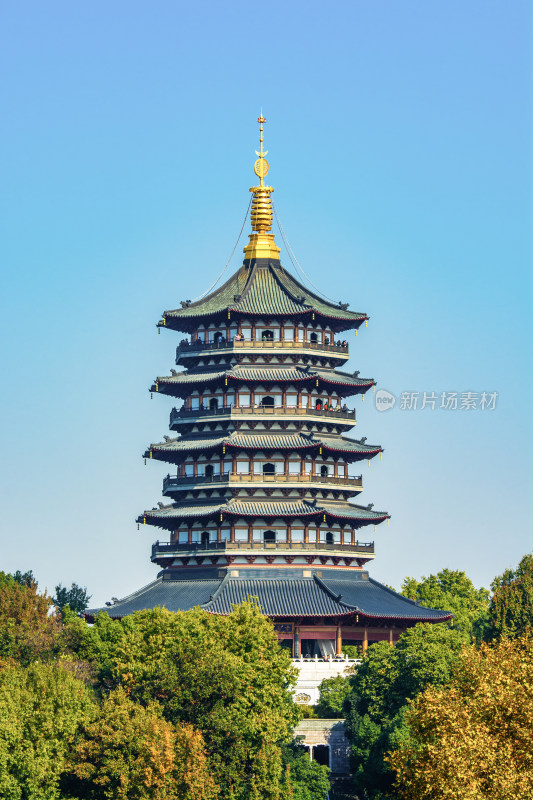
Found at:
<point>511,604</point>
<point>129,752</point>
<point>226,676</point>
<point>381,687</point>
<point>304,779</point>
<point>27,630</point>
<point>472,739</point>
<point>41,707</point>
<point>75,598</point>
<point>333,694</point>
<point>452,590</point>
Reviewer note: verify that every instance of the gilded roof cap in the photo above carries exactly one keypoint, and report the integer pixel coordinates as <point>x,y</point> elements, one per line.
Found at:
<point>261,244</point>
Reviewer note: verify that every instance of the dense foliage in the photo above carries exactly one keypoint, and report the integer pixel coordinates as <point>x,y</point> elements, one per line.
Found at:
<point>511,605</point>
<point>452,590</point>
<point>472,739</point>
<point>380,690</point>
<point>75,598</point>
<point>157,705</point>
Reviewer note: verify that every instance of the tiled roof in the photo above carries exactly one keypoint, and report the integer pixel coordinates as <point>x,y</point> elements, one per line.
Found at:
<point>351,511</point>
<point>266,374</point>
<point>172,595</point>
<point>373,599</point>
<point>262,290</point>
<point>166,515</point>
<point>267,441</point>
<point>279,596</point>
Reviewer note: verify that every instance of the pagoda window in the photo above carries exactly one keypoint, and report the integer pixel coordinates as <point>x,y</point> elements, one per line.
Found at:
<point>324,471</point>
<point>314,337</point>
<point>294,467</point>
<point>188,470</point>
<point>183,537</point>
<point>244,399</point>
<point>243,467</point>
<point>209,471</point>
<point>291,400</point>
<point>297,534</point>
<point>241,534</point>
<point>269,468</point>
<point>269,537</point>
<point>218,337</point>
<point>204,539</point>
<point>267,336</point>
<point>308,467</point>
<point>267,401</point>
<point>213,404</point>
<point>246,332</point>
<point>329,538</point>
<point>288,334</point>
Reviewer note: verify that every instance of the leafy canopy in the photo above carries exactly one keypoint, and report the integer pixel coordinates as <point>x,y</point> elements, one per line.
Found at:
<point>472,739</point>
<point>511,605</point>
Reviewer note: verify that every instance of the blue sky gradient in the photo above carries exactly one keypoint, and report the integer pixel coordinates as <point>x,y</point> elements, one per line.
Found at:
<point>399,138</point>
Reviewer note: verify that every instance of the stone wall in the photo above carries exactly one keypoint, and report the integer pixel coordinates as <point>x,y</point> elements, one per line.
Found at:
<point>328,732</point>
<point>312,673</point>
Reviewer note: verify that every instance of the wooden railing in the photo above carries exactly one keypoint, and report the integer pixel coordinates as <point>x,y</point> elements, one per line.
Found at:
<point>176,482</point>
<point>259,410</point>
<point>160,548</point>
<point>283,344</point>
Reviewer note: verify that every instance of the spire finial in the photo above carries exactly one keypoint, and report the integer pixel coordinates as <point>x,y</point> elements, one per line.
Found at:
<point>261,165</point>
<point>262,243</point>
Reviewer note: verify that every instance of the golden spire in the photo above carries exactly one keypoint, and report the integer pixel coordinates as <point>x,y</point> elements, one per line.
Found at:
<point>261,243</point>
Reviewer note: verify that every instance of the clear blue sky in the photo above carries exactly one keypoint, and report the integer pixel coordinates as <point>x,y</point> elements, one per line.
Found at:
<point>400,143</point>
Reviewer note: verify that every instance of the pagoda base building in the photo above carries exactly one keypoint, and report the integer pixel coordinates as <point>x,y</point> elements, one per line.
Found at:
<point>262,486</point>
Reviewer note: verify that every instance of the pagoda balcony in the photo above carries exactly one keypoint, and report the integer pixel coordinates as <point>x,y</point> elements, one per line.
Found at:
<point>173,483</point>
<point>190,414</point>
<point>187,348</point>
<point>164,549</point>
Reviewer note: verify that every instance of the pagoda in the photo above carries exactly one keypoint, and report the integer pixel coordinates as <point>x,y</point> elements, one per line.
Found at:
<point>262,490</point>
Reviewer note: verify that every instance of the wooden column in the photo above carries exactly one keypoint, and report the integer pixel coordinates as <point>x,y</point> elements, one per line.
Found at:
<point>302,466</point>
<point>195,468</point>
<point>336,469</point>
<point>317,536</point>
<point>250,532</point>
<point>342,536</point>
<point>225,398</point>
<point>221,465</point>
<point>353,537</point>
<point>253,332</point>
<point>252,397</point>
<point>251,465</point>
<point>296,645</point>
<point>190,534</point>
<point>289,534</point>
<point>391,640</point>
<point>284,397</point>
<point>232,533</point>
<point>338,641</point>
<point>306,533</point>
<point>365,639</point>
<point>206,336</point>
<point>286,466</point>
<point>228,332</point>
<point>234,465</point>
<point>219,532</point>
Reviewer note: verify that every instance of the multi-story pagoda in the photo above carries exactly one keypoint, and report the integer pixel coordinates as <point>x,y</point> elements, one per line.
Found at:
<point>262,483</point>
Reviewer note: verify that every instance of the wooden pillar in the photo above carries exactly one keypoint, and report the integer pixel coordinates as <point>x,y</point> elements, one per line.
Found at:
<point>286,466</point>
<point>313,467</point>
<point>251,465</point>
<point>283,398</point>
<point>195,468</point>
<point>342,536</point>
<point>302,466</point>
<point>189,534</point>
<point>234,465</point>
<point>296,645</point>
<point>250,532</point>
<point>221,465</point>
<point>289,534</point>
<point>336,469</point>
<point>391,640</point>
<point>236,399</point>
<point>206,336</point>
<point>299,399</point>
<point>309,400</point>
<point>228,333</point>
<point>252,397</point>
<point>338,641</point>
<point>232,533</point>
<point>225,398</point>
<point>353,537</point>
<point>365,639</point>
<point>306,533</point>
<point>219,532</point>
<point>317,536</point>
<point>253,332</point>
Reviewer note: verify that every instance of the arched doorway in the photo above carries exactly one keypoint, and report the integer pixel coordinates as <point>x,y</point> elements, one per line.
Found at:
<point>267,336</point>
<point>329,538</point>
<point>313,338</point>
<point>213,404</point>
<point>218,337</point>
<point>318,405</point>
<point>321,754</point>
<point>268,402</point>
<point>323,471</point>
<point>209,471</point>
<point>269,469</point>
<point>204,539</point>
<point>269,537</point>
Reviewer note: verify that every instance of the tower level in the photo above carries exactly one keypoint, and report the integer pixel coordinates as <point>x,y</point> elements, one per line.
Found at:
<point>264,482</point>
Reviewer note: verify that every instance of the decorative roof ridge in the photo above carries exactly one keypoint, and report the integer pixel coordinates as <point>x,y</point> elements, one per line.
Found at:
<point>208,297</point>
<point>217,591</point>
<point>90,612</point>
<point>330,592</point>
